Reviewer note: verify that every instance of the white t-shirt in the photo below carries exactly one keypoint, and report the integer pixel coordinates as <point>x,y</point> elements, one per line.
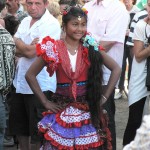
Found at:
<point>46,26</point>
<point>73,59</point>
<point>137,88</point>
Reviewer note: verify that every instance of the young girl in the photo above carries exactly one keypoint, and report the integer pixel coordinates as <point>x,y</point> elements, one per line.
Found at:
<point>75,119</point>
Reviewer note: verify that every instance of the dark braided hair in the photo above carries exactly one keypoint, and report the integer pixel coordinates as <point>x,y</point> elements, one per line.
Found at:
<point>94,85</point>
<point>95,74</point>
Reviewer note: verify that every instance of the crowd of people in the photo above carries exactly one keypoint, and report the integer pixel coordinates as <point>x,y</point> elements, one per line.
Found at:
<point>61,62</point>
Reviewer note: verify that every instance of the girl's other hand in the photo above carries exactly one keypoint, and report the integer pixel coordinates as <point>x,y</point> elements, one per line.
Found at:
<point>53,107</point>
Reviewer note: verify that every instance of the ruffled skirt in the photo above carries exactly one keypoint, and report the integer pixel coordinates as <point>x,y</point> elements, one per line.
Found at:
<point>70,129</point>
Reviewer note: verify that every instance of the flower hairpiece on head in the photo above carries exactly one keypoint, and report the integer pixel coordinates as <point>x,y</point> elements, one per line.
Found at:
<point>90,41</point>
<point>84,10</point>
<point>66,10</point>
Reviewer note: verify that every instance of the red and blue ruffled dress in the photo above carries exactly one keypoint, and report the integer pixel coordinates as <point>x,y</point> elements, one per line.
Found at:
<point>70,129</point>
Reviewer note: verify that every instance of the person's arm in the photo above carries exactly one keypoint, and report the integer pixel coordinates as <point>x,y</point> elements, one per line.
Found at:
<point>115,74</point>
<point>23,49</point>
<point>139,49</point>
<point>140,52</point>
<point>30,76</point>
<point>107,45</point>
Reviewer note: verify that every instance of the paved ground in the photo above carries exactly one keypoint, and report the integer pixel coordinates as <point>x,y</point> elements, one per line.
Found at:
<point>121,120</point>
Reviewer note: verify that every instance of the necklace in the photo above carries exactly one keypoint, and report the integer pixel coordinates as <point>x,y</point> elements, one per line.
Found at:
<point>72,50</point>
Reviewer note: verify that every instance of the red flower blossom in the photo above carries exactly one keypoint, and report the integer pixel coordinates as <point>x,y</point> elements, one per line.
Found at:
<point>84,10</point>
<point>65,13</point>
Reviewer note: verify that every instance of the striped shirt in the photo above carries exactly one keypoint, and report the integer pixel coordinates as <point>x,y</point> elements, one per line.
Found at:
<point>138,16</point>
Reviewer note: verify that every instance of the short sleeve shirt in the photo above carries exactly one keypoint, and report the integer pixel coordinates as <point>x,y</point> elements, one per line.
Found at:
<point>137,88</point>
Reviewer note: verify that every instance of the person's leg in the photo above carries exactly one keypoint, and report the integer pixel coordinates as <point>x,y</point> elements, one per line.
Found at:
<point>18,120</point>
<point>110,108</point>
<point>8,140</point>
<point>130,58</point>
<point>2,132</point>
<point>134,120</point>
<point>31,112</point>
<point>2,122</point>
<point>35,109</point>
<point>122,77</point>
<point>24,142</point>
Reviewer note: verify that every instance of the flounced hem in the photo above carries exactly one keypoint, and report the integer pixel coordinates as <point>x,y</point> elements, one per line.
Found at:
<point>71,125</point>
<point>42,129</point>
<point>80,106</point>
<point>108,138</point>
<point>75,147</point>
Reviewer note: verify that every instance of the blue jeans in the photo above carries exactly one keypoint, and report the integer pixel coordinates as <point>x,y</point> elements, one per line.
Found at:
<point>2,121</point>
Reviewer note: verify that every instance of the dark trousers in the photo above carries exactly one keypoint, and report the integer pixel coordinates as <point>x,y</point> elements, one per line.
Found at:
<point>25,112</point>
<point>134,120</point>
<point>110,108</point>
<point>126,55</point>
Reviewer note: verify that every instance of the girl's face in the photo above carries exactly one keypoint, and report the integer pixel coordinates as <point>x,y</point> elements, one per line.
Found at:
<point>76,28</point>
<point>148,8</point>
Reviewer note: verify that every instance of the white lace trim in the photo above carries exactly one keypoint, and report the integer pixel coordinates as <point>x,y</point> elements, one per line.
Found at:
<point>71,115</point>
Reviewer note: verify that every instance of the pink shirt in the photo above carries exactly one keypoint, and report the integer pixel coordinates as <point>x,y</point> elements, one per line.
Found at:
<point>108,21</point>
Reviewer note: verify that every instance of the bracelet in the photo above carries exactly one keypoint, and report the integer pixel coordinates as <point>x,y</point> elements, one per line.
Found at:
<point>104,97</point>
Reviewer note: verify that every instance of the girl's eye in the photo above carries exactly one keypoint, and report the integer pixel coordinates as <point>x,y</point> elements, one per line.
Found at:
<point>75,24</point>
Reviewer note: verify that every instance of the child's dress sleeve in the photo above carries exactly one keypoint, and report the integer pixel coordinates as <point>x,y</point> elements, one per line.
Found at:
<point>48,51</point>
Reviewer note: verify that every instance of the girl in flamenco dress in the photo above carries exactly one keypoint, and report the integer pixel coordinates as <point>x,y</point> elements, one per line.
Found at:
<point>75,119</point>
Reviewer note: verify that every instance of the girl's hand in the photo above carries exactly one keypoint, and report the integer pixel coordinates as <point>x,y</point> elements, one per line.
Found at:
<point>53,107</point>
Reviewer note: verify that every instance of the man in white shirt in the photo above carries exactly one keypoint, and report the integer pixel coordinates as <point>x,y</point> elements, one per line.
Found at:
<point>107,22</point>
<point>25,109</point>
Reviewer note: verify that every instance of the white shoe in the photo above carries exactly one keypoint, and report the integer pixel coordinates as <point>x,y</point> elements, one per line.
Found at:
<point>8,141</point>
<point>118,95</point>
